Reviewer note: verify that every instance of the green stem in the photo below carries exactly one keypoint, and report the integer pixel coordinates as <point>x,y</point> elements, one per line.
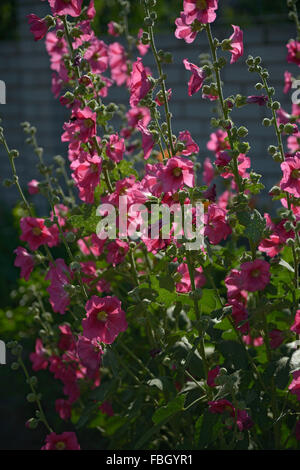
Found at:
<point>213,50</point>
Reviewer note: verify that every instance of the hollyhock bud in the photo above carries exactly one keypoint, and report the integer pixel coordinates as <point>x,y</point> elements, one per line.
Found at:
<point>260,100</point>
<point>104,319</point>
<point>38,26</point>
<point>33,187</point>
<point>197,78</point>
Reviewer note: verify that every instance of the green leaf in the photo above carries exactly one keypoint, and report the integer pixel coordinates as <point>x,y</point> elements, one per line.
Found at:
<point>286,265</point>
<point>254,224</point>
<point>235,353</point>
<point>166,412</point>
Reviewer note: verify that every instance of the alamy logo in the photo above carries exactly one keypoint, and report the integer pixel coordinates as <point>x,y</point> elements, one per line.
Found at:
<point>2,352</point>
<point>296,94</point>
<point>2,92</point>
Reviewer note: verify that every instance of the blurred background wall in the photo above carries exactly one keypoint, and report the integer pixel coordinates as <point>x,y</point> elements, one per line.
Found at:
<point>24,66</point>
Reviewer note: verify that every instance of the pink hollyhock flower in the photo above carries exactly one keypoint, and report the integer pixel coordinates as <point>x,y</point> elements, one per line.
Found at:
<point>87,178</point>
<point>59,276</point>
<point>184,285</point>
<point>234,285</point>
<point>112,29</point>
<point>106,408</point>
<point>217,141</point>
<point>66,340</point>
<point>276,338</point>
<point>208,171</point>
<point>260,100</point>
<point>104,320</point>
<point>223,159</point>
<point>197,78</point>
<point>282,116</point>
<point>118,64</point>
<point>91,11</point>
<point>63,408</point>
<point>190,145</point>
<point>212,375</point>
<point>143,48</point>
<point>139,83</point>
<point>147,140</point>
<point>293,142</point>
<point>177,173</point>
<point>201,10</point>
<point>117,250</point>
<point>294,386</point>
<point>33,187</point>
<point>255,275</point>
<point>138,114</point>
<point>81,128</point>
<point>296,325</point>
<point>89,353</point>
<point>186,31</point>
<point>220,406</point>
<point>35,233</point>
<point>38,27</point>
<point>115,148</point>
<point>236,42</point>
<point>216,226</point>
<point>250,341</point>
<point>39,358</point>
<point>211,193</point>
<point>243,420</point>
<point>287,82</point>
<point>64,441</point>
<point>293,48</point>
<point>291,175</point>
<point>97,56</point>
<point>66,7</point>
<point>25,261</point>
<point>239,315</point>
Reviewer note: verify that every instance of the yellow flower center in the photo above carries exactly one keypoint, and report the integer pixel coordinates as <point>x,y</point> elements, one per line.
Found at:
<point>60,445</point>
<point>177,172</point>
<point>255,273</point>
<point>88,123</point>
<point>36,231</point>
<point>102,316</point>
<point>296,174</point>
<point>201,4</point>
